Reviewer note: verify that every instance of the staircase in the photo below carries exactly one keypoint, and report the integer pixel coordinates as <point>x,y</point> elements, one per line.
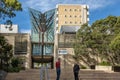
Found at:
<point>34,74</point>
<point>98,75</point>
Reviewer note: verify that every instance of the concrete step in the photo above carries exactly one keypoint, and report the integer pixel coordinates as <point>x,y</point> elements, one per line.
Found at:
<point>34,74</point>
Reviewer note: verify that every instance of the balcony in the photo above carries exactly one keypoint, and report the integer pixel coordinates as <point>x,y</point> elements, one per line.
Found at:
<point>65,45</point>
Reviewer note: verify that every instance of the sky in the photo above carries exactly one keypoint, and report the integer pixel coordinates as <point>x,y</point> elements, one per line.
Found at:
<point>98,9</point>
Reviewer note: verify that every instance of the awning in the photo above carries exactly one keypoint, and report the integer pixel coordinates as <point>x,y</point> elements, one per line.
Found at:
<point>69,29</point>
<point>45,59</point>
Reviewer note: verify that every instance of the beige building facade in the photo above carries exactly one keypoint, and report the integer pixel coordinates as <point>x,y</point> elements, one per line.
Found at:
<point>69,18</point>
<point>71,15</point>
<point>21,47</point>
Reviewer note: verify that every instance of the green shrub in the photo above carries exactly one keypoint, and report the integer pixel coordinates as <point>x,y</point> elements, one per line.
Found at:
<point>13,69</point>
<point>22,68</point>
<point>83,67</point>
<point>104,63</point>
<point>15,62</point>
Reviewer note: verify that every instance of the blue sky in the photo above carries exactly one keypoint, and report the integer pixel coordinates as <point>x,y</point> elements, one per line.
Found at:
<point>98,9</point>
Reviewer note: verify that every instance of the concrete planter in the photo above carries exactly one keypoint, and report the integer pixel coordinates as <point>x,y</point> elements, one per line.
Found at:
<point>99,67</point>
<point>92,66</point>
<point>116,68</point>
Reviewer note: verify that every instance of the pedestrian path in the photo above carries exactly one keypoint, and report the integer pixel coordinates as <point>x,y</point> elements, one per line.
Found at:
<point>34,74</point>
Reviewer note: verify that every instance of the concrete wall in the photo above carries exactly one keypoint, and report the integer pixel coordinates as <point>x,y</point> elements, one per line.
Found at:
<point>26,57</point>
<point>67,59</point>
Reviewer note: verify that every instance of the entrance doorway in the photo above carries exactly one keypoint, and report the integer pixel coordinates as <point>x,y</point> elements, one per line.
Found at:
<point>47,60</point>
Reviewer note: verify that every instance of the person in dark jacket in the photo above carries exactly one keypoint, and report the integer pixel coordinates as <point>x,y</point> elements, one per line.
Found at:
<point>76,69</point>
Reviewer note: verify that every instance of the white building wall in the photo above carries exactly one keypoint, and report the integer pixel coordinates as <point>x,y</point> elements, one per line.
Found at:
<point>85,14</point>
<point>8,28</point>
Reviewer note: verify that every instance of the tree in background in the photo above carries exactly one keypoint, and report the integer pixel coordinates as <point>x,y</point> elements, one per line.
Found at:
<point>82,43</point>
<point>2,41</point>
<point>94,41</point>
<point>5,52</point>
<point>8,9</point>
<point>115,46</point>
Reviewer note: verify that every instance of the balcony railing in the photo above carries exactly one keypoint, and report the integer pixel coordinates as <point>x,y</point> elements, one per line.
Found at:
<point>39,54</point>
<point>65,45</point>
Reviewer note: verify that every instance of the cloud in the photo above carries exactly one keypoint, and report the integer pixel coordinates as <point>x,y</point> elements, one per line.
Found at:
<point>50,4</point>
<point>96,4</point>
<point>25,31</point>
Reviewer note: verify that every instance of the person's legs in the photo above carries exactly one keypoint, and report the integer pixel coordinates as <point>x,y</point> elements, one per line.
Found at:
<point>76,76</point>
<point>58,74</point>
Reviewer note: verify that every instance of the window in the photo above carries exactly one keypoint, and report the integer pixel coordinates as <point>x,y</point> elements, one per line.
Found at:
<point>56,22</point>
<point>75,16</point>
<point>65,15</point>
<point>65,22</point>
<point>65,9</point>
<point>70,22</point>
<point>20,44</point>
<point>75,9</point>
<point>75,22</point>
<point>70,9</point>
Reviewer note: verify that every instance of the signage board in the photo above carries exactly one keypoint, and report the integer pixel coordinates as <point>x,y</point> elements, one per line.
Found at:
<point>62,51</point>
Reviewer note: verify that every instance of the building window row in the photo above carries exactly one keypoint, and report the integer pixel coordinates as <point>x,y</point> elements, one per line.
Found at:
<point>72,10</point>
<point>73,16</point>
<point>70,22</point>
<point>57,22</point>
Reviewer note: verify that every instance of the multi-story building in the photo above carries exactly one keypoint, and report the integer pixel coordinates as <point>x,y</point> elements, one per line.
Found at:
<point>71,15</point>
<point>69,18</point>
<point>59,39</point>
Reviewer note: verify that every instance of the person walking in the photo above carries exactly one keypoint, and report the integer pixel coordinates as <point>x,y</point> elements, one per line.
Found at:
<point>58,69</point>
<point>76,69</point>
